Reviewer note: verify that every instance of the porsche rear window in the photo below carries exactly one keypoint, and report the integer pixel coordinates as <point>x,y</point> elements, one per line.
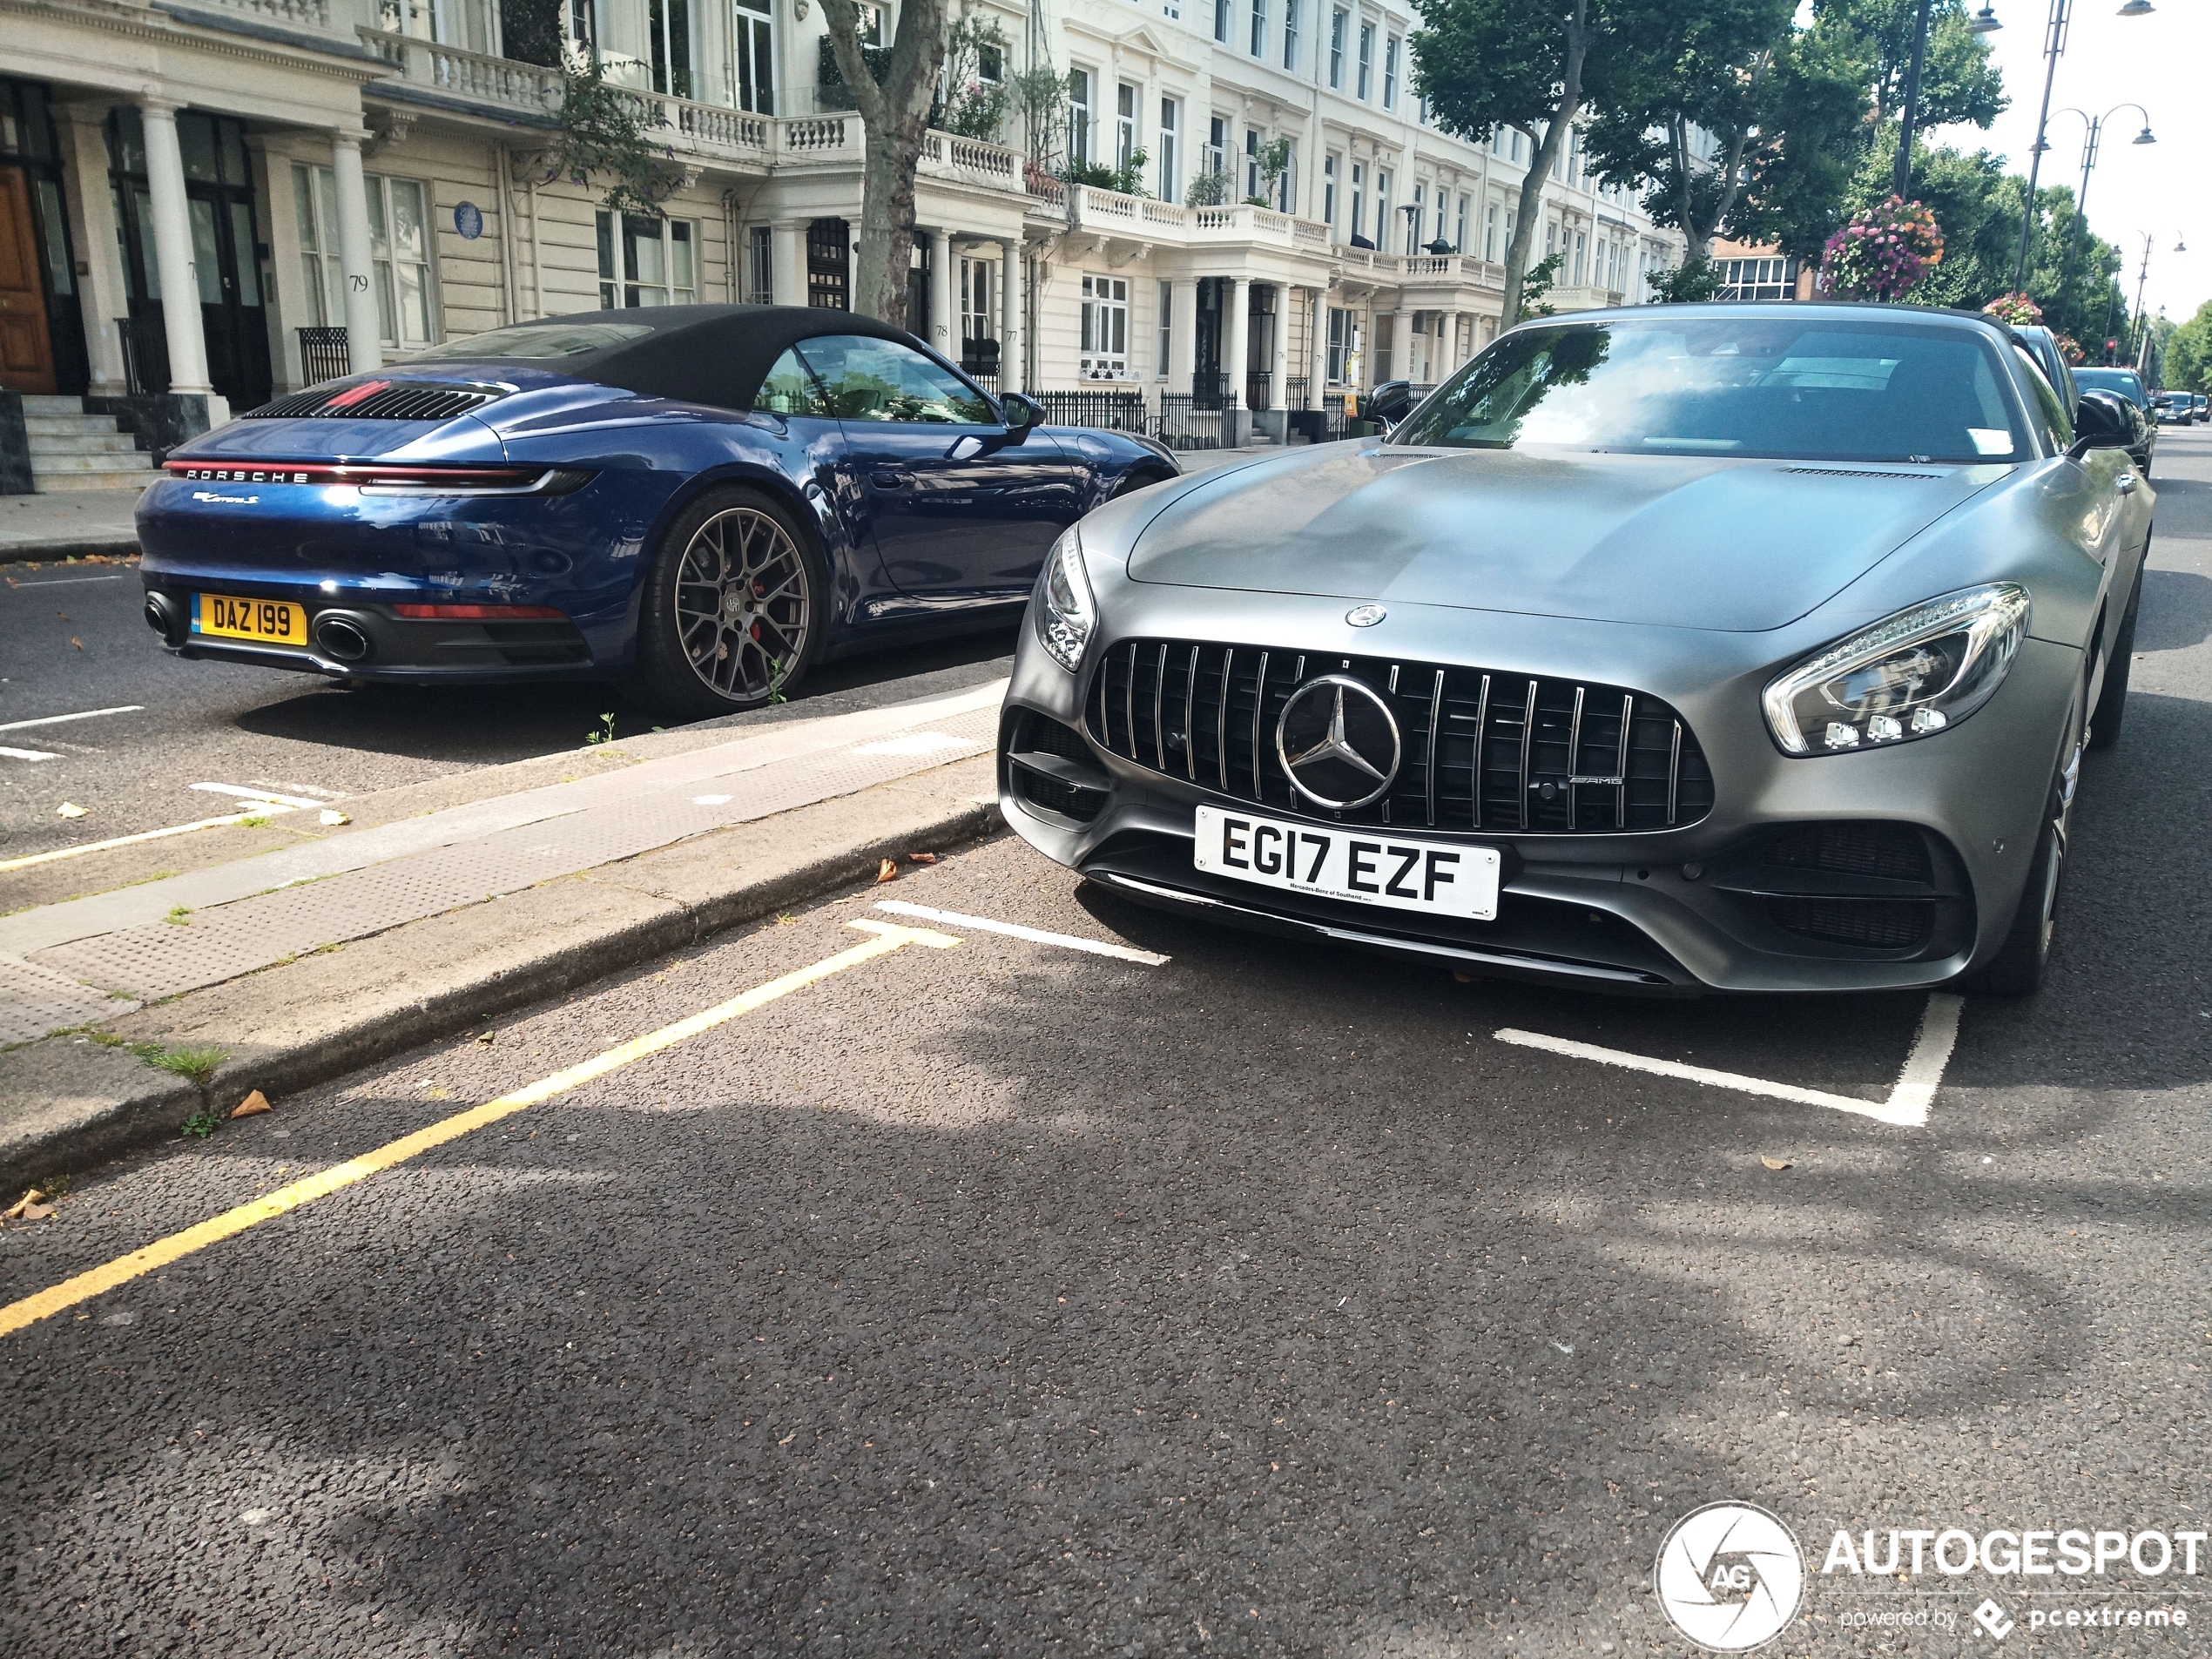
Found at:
<point>1765,387</point>
<point>538,340</point>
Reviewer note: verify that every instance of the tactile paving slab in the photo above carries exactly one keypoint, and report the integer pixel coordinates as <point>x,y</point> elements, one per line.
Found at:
<point>209,946</point>
<point>34,1000</point>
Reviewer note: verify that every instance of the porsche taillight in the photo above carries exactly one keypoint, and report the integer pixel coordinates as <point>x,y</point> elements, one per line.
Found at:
<point>383,478</point>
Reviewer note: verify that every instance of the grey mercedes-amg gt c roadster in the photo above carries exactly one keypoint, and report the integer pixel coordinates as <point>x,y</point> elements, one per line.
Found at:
<point>1671,649</point>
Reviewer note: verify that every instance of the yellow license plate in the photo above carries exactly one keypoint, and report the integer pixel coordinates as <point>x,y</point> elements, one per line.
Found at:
<point>267,621</point>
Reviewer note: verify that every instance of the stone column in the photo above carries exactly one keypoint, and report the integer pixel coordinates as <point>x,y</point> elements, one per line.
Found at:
<point>357,274</point>
<point>1385,362</point>
<point>786,262</point>
<point>1278,367</point>
<point>1317,370</point>
<point>1236,335</point>
<point>1449,357</point>
<point>944,295</point>
<point>1011,342</point>
<point>102,294</point>
<point>172,252</point>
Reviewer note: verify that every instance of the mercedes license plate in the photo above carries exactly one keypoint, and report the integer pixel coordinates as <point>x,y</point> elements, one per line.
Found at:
<point>1373,866</point>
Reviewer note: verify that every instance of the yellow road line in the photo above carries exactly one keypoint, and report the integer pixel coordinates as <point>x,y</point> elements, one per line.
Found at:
<point>886,939</point>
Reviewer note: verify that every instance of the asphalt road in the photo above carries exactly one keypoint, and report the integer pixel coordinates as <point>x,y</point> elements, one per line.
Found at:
<point>72,640</point>
<point>1010,1299</point>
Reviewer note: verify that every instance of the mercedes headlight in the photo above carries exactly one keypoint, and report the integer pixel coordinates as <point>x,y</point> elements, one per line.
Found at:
<point>1066,613</point>
<point>1909,676</point>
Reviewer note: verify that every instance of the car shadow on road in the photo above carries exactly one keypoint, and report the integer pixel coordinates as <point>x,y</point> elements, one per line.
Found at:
<point>491,724</point>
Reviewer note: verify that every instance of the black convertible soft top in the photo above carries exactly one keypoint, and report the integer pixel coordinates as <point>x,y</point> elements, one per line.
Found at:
<point>716,354</point>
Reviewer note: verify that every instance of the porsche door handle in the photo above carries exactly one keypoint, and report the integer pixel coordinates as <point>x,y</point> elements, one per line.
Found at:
<point>2125,484</point>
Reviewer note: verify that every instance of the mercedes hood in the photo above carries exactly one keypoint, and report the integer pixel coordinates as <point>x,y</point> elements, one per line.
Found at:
<point>1676,542</point>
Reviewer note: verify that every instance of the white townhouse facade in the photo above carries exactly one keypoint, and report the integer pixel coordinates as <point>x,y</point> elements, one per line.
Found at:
<point>340,183</point>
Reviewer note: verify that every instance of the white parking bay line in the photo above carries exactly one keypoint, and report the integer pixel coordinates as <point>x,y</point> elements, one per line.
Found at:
<point>1014,930</point>
<point>68,580</point>
<point>265,809</point>
<point>61,719</point>
<point>1938,1035</point>
<point>1907,1106</point>
<point>28,754</point>
<point>256,794</point>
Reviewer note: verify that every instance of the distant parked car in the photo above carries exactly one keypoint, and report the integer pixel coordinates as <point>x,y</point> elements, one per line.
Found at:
<point>2043,345</point>
<point>2175,408</point>
<point>2127,384</point>
<point>2203,405</point>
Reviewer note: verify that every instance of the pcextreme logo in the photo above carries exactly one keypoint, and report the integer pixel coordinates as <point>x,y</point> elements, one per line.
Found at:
<point>1731,1576</point>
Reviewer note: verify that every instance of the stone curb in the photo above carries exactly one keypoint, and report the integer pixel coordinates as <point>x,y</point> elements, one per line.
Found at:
<point>68,1102</point>
<point>56,552</point>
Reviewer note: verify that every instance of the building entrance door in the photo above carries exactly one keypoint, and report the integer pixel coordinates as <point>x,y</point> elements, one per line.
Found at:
<point>227,254</point>
<point>26,346</point>
<point>1208,386</point>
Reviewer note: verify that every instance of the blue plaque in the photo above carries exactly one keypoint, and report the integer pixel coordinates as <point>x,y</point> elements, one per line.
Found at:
<point>469,219</point>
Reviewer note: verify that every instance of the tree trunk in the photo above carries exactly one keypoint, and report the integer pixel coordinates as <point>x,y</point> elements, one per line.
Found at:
<point>1539,164</point>
<point>895,117</point>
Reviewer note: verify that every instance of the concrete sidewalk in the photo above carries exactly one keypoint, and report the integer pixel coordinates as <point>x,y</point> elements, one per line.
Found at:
<point>68,524</point>
<point>134,1006</point>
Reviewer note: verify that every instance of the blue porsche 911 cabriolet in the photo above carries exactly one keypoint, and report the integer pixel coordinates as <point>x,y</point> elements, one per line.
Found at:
<point>706,500</point>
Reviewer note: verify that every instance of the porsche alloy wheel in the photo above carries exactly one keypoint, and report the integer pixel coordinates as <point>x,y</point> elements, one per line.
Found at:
<point>732,609</point>
<point>743,603</point>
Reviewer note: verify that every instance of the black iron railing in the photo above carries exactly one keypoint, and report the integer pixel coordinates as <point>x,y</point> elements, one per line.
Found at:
<point>1338,419</point>
<point>1297,392</point>
<point>1259,383</point>
<point>145,352</point>
<point>324,355</point>
<point>1208,390</point>
<point>1104,411</point>
<point>1185,423</point>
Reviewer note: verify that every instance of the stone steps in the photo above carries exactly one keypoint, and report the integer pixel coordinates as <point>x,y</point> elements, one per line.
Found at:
<point>63,444</point>
<point>50,483</point>
<point>72,448</point>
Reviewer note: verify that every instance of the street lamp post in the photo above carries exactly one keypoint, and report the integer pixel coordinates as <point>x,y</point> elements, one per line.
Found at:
<point>1985,22</point>
<point>2091,144</point>
<point>2053,48</point>
<point>1901,180</point>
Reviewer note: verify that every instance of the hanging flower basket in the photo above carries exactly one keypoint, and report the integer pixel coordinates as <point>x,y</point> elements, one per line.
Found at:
<point>1882,253</point>
<point>2015,308</point>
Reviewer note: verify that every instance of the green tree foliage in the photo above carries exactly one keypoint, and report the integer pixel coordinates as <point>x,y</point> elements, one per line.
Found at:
<point>1797,171</point>
<point>2188,354</point>
<point>1784,105</point>
<point>1959,83</point>
<point>1530,66</point>
<point>1979,205</point>
<point>605,133</point>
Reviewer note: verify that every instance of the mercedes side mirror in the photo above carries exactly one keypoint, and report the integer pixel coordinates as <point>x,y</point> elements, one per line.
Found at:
<point>1022,413</point>
<point>1390,403</point>
<point>2102,421</point>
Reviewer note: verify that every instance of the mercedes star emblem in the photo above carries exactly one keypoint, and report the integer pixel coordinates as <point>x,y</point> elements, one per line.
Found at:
<point>1365,616</point>
<point>1339,742</point>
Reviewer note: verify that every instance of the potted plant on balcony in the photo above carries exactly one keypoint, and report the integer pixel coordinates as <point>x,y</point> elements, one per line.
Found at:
<point>978,98</point>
